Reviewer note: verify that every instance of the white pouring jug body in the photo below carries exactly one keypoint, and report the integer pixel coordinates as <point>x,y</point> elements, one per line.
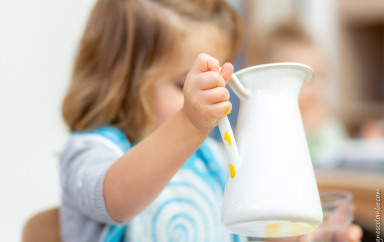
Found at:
<point>271,190</point>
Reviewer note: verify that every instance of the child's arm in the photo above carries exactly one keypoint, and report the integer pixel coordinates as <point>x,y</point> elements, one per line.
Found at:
<point>139,176</point>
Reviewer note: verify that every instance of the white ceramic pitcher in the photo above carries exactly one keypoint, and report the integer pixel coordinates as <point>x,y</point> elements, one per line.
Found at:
<point>271,190</point>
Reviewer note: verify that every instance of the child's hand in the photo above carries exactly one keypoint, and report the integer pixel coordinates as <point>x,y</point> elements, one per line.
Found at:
<point>354,233</point>
<point>205,95</point>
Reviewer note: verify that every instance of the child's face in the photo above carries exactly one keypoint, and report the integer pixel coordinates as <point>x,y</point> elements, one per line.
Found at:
<point>311,95</point>
<point>166,93</point>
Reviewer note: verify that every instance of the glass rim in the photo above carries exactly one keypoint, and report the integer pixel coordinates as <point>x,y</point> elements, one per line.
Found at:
<point>342,196</point>
<point>346,223</point>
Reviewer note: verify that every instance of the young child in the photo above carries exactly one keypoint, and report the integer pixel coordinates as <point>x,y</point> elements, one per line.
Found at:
<point>288,42</point>
<point>142,101</point>
<point>326,134</point>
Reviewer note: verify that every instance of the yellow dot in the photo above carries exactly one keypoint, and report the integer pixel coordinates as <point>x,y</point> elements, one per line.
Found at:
<point>227,112</point>
<point>273,230</point>
<point>232,170</point>
<point>236,201</point>
<point>288,229</point>
<point>228,138</point>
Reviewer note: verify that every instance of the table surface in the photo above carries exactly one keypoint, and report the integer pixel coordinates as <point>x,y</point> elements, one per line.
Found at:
<point>364,187</point>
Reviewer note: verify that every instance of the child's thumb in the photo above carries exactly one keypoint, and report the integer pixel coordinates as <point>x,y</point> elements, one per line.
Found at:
<point>204,63</point>
<point>226,71</point>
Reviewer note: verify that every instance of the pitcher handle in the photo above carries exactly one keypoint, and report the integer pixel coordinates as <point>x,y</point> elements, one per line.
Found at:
<point>229,145</point>
<point>238,88</point>
<point>226,129</point>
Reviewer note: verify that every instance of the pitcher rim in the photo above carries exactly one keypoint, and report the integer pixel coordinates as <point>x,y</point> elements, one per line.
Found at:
<point>300,66</point>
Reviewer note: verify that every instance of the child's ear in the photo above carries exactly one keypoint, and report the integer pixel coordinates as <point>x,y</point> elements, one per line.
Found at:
<point>226,71</point>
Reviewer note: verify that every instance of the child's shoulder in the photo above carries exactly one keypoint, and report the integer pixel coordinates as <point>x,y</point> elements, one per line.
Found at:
<point>105,134</point>
<point>106,140</point>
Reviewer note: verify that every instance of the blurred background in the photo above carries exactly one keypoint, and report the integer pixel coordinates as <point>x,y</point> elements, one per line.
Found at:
<point>38,41</point>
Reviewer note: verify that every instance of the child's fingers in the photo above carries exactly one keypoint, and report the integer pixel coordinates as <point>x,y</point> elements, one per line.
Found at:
<point>226,71</point>
<point>209,80</point>
<point>204,63</point>
<point>354,233</point>
<point>216,95</point>
<point>221,109</point>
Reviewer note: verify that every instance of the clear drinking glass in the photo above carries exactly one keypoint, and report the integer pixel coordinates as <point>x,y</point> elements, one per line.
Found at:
<point>338,215</point>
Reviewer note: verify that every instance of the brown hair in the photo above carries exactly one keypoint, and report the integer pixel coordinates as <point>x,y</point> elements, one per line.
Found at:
<point>286,33</point>
<point>122,42</point>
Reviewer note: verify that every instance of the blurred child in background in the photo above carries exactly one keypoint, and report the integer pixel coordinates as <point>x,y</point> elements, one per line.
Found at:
<point>288,42</point>
<point>325,133</point>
